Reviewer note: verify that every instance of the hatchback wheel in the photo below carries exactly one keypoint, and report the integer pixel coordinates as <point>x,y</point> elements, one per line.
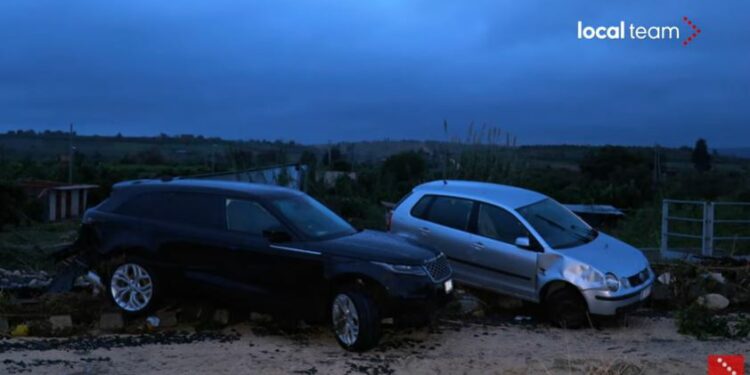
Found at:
<point>132,287</point>
<point>355,320</point>
<point>566,308</point>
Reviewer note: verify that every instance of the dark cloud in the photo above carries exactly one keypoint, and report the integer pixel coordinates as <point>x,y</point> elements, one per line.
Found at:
<point>315,71</point>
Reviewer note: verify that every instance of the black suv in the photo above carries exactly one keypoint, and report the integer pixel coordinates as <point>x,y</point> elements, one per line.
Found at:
<point>275,249</point>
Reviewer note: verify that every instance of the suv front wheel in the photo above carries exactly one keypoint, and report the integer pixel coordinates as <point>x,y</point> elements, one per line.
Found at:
<point>132,287</point>
<point>355,319</point>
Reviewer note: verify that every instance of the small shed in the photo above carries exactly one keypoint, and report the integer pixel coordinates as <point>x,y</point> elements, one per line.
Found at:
<point>61,201</point>
<point>597,215</point>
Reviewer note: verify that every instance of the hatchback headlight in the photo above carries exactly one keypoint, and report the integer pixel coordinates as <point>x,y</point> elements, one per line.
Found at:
<point>611,282</point>
<point>403,269</point>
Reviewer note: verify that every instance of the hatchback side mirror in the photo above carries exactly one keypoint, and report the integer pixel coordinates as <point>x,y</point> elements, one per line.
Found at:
<point>523,242</point>
<point>277,236</point>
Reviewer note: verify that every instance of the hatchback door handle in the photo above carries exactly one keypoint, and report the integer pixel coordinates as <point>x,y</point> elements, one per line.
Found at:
<point>424,231</point>
<point>478,246</point>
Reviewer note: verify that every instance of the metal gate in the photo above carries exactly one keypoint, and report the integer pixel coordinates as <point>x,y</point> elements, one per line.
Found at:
<point>696,224</point>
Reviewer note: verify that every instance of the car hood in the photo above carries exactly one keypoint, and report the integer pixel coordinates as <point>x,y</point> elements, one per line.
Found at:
<point>608,254</point>
<point>377,246</point>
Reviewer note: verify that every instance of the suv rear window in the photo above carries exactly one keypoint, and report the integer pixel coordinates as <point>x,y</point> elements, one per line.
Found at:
<point>449,211</point>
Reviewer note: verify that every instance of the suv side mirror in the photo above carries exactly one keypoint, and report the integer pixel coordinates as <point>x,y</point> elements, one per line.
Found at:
<point>277,236</point>
<point>523,242</point>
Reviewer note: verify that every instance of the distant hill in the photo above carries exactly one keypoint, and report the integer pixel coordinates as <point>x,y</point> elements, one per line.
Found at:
<point>740,152</point>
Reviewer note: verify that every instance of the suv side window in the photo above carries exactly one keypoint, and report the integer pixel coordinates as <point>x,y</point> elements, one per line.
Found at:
<point>451,212</point>
<point>499,224</point>
<point>249,217</point>
<point>194,209</point>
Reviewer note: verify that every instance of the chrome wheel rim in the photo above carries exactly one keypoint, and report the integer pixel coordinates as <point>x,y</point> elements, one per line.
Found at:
<point>131,287</point>
<point>345,319</point>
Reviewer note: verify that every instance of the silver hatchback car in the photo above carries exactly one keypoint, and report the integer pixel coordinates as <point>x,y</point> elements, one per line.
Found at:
<point>524,244</point>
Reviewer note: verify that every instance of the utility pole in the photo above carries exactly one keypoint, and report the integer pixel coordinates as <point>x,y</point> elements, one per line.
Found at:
<point>70,155</point>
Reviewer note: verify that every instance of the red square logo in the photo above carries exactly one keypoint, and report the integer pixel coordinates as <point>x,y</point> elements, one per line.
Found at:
<point>720,364</point>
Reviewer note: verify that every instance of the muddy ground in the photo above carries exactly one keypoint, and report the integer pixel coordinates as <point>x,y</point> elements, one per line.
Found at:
<point>648,344</point>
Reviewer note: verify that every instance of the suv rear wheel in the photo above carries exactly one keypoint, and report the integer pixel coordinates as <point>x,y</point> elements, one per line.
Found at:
<point>132,287</point>
<point>355,320</point>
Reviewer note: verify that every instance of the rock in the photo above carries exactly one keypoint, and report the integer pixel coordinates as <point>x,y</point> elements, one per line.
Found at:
<point>167,318</point>
<point>468,304</point>
<point>665,278</point>
<point>717,276</point>
<point>221,316</point>
<point>111,322</point>
<point>36,284</point>
<point>191,313</point>
<point>61,322</point>
<point>4,327</point>
<point>508,303</point>
<point>713,301</point>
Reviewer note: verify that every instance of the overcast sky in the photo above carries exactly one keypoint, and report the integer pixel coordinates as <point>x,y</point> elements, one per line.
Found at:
<point>314,71</point>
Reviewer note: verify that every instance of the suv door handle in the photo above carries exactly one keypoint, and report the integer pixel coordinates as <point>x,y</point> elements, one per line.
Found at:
<point>424,231</point>
<point>478,246</point>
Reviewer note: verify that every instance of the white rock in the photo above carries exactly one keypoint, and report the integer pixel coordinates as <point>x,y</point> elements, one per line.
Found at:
<point>713,301</point>
<point>60,322</point>
<point>665,278</point>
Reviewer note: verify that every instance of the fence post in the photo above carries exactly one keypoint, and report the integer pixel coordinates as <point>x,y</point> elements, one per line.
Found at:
<point>708,229</point>
<point>664,245</point>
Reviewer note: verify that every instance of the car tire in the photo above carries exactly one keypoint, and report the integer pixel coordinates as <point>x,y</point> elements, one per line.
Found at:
<point>355,320</point>
<point>566,308</point>
<point>132,286</point>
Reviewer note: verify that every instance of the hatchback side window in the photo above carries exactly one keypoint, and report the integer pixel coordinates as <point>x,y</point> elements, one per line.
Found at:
<point>499,224</point>
<point>451,212</point>
<point>249,217</point>
<point>420,209</point>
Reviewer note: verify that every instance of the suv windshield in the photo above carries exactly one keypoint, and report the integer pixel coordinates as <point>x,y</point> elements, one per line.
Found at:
<point>312,218</point>
<point>559,227</point>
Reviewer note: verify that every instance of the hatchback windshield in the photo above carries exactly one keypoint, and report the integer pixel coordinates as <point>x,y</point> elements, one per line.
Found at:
<point>312,218</point>
<point>557,225</point>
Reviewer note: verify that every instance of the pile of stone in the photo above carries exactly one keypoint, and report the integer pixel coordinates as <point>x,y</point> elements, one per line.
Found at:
<point>714,284</point>
<point>19,280</point>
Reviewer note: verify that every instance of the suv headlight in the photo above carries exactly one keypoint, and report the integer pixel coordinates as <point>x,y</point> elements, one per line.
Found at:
<point>612,282</point>
<point>403,269</point>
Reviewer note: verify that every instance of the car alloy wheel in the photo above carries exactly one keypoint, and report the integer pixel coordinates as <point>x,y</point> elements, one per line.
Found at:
<point>345,319</point>
<point>132,287</point>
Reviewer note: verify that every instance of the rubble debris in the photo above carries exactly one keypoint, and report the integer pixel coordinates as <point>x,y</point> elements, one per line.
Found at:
<point>87,343</point>
<point>17,279</point>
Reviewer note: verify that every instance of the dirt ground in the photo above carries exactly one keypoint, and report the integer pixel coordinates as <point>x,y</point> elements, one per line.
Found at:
<point>648,345</point>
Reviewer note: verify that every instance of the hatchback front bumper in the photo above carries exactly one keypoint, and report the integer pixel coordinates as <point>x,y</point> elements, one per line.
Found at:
<point>601,302</point>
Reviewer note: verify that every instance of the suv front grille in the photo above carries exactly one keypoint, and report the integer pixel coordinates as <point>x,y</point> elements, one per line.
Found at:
<point>438,268</point>
<point>639,278</point>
